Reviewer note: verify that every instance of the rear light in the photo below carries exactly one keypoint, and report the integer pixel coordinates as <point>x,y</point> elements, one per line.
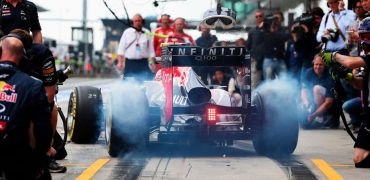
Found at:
<point>211,115</point>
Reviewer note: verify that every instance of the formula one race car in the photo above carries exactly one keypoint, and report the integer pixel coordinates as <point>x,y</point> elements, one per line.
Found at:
<point>178,107</point>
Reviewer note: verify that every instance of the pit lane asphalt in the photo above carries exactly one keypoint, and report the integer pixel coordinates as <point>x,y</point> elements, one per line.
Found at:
<point>320,154</point>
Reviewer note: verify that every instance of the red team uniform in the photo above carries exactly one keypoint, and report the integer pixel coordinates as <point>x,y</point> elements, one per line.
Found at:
<point>157,41</point>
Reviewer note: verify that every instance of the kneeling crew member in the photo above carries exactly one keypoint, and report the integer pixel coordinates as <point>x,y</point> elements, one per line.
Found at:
<point>22,102</point>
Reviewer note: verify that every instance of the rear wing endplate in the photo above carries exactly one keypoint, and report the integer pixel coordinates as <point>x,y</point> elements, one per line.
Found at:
<point>196,56</point>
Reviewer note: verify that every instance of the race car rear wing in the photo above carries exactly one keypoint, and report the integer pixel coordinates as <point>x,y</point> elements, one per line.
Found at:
<point>196,56</point>
<point>181,55</point>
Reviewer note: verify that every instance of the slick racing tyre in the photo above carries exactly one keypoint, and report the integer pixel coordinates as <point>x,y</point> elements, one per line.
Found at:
<point>278,131</point>
<point>127,120</point>
<point>85,114</point>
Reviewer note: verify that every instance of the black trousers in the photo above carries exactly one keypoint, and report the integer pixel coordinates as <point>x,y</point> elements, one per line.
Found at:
<point>138,68</point>
<point>23,163</point>
<point>363,136</point>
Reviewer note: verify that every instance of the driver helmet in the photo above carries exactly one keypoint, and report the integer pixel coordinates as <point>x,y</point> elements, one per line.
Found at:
<point>364,33</point>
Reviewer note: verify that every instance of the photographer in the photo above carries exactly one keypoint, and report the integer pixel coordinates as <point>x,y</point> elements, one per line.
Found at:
<point>274,49</point>
<point>304,41</point>
<point>333,34</point>
<point>333,27</point>
<point>360,80</point>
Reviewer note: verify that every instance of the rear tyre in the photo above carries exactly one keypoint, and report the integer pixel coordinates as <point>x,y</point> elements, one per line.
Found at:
<point>126,121</point>
<point>85,114</point>
<point>278,131</point>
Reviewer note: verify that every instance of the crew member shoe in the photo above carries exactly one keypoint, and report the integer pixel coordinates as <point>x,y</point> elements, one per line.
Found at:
<point>365,163</point>
<point>55,167</point>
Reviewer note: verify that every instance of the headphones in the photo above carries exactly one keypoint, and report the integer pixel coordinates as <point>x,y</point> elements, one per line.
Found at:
<point>15,36</point>
<point>25,62</point>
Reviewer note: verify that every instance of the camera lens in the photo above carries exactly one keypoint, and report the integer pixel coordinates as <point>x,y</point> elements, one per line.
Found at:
<point>324,39</point>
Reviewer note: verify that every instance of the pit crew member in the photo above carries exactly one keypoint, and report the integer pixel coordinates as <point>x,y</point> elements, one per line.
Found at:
<point>361,155</point>
<point>22,102</point>
<point>41,65</point>
<point>21,14</point>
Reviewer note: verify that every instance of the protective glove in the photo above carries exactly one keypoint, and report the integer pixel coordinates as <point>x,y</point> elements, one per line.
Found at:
<point>340,72</point>
<point>61,76</point>
<point>328,57</point>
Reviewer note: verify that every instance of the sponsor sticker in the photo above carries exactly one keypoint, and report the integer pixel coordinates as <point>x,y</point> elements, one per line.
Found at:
<point>48,71</point>
<point>2,108</point>
<point>5,87</point>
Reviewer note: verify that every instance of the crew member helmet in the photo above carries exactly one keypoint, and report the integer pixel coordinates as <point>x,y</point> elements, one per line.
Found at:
<point>364,33</point>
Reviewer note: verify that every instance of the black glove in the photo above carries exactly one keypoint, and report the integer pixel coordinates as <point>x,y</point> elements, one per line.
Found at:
<point>61,76</point>
<point>338,71</point>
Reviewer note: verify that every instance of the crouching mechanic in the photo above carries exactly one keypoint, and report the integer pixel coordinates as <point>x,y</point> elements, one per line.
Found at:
<point>41,65</point>
<point>22,102</point>
<point>361,156</point>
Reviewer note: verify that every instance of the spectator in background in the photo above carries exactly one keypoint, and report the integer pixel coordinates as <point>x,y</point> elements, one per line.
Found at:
<point>343,10</point>
<point>317,14</point>
<point>282,31</point>
<point>317,97</point>
<point>135,51</point>
<point>305,43</point>
<point>165,29</point>
<point>354,109</point>
<point>333,28</point>
<point>348,12</point>
<point>359,11</point>
<point>354,39</point>
<point>220,44</point>
<point>206,40</point>
<point>228,84</point>
<point>274,49</point>
<point>278,24</point>
<point>178,35</point>
<point>21,14</point>
<point>240,42</point>
<point>255,42</point>
<point>366,5</point>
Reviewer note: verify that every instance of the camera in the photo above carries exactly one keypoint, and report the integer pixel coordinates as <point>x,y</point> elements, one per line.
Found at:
<point>303,25</point>
<point>332,36</point>
<point>306,19</point>
<point>269,21</point>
